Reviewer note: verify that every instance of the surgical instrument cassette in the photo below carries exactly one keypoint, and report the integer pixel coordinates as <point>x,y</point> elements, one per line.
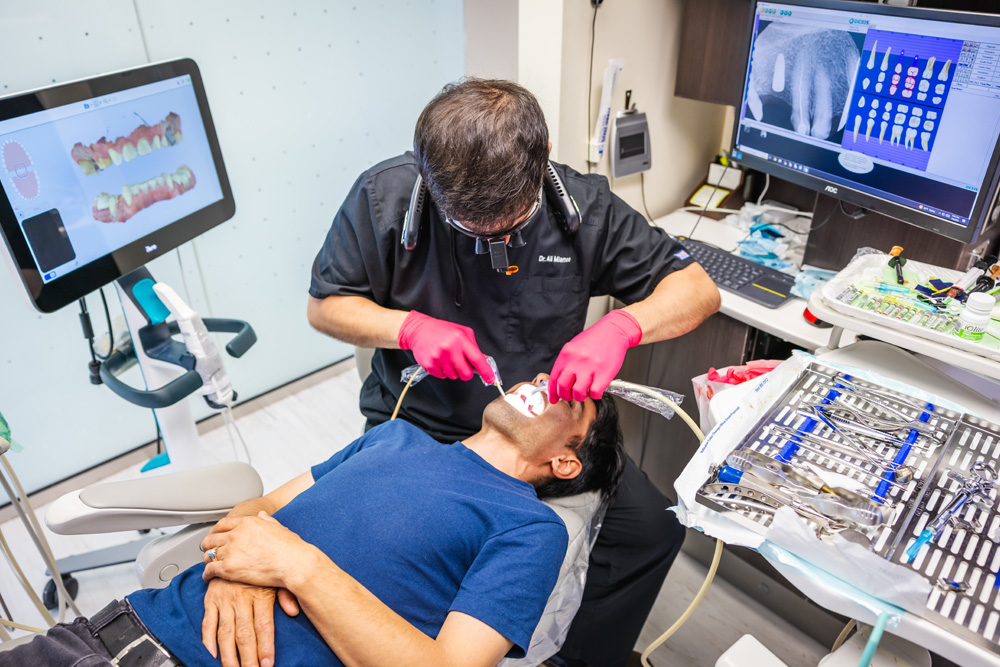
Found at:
<point>915,480</point>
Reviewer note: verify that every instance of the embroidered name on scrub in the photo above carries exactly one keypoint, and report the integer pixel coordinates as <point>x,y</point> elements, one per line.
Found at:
<point>555,259</point>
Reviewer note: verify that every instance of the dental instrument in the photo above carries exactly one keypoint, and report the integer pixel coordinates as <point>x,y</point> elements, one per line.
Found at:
<point>975,490</point>
<point>777,472</point>
<point>882,425</point>
<point>824,447</point>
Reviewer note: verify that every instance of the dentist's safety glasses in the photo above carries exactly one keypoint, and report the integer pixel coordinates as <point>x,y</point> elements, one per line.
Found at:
<point>530,400</point>
<point>417,372</point>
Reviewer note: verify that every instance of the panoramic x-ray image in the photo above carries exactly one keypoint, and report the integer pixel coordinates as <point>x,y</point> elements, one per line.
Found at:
<point>801,78</point>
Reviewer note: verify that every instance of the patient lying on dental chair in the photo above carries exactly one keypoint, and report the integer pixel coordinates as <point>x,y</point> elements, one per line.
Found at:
<point>398,550</point>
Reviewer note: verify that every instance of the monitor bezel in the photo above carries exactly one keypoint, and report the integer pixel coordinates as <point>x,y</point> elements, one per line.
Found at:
<point>984,204</point>
<point>65,289</point>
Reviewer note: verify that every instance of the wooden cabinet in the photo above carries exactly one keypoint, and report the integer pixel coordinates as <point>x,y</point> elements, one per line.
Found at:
<point>713,49</point>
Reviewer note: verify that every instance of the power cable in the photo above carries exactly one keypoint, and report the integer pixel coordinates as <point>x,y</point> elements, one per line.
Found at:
<point>590,80</point>
<point>642,189</point>
<point>704,208</point>
<point>829,216</point>
<point>111,333</point>
<point>767,184</point>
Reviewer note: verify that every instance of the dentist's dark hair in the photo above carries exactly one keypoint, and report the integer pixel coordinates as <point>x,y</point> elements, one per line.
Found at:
<point>602,457</point>
<point>482,146</point>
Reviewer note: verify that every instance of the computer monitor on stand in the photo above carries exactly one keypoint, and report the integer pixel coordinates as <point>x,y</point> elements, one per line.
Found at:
<point>100,176</point>
<point>894,109</point>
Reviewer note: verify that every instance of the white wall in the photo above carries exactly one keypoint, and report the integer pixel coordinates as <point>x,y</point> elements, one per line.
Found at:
<point>685,135</point>
<point>491,38</point>
<point>304,95</point>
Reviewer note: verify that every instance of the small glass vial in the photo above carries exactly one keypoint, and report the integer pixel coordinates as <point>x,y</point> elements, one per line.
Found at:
<point>975,318</point>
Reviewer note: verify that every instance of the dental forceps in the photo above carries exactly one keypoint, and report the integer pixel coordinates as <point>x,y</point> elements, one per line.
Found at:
<point>975,490</point>
<point>826,414</point>
<point>870,421</point>
<point>876,396</point>
<point>841,426</point>
<point>777,473</point>
<point>834,506</point>
<point>760,493</point>
<point>817,445</point>
<point>808,487</point>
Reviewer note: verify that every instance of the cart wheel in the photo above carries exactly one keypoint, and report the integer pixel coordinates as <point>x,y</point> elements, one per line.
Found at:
<point>50,596</point>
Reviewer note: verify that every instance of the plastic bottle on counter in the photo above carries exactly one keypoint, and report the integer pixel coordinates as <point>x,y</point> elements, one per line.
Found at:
<point>975,318</point>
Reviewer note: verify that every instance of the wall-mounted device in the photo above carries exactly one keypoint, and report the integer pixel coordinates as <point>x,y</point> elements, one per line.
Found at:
<point>595,147</point>
<point>630,152</point>
<point>99,176</point>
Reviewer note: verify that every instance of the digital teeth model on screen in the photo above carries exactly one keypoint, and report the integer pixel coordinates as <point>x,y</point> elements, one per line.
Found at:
<point>929,68</point>
<point>134,198</point>
<point>141,141</point>
<point>943,74</point>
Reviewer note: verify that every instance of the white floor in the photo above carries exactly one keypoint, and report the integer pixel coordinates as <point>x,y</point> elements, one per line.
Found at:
<point>285,436</point>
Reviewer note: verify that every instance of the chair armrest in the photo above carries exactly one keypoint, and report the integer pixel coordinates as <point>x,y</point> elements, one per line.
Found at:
<point>194,496</point>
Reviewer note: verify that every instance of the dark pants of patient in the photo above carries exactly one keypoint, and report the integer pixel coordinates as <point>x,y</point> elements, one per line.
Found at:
<point>638,543</point>
<point>80,643</point>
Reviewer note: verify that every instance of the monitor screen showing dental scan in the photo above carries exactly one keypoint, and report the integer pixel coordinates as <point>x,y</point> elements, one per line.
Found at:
<point>895,109</point>
<point>102,175</point>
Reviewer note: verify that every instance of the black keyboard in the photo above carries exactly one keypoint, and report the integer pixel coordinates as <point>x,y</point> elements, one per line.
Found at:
<point>750,280</point>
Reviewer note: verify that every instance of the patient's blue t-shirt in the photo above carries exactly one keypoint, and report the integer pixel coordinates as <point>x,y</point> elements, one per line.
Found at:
<point>428,528</point>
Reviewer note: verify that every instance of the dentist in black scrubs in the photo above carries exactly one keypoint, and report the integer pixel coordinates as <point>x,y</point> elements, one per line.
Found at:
<point>475,244</point>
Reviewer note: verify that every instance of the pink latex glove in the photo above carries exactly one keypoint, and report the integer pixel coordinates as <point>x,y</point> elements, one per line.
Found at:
<point>588,363</point>
<point>444,349</point>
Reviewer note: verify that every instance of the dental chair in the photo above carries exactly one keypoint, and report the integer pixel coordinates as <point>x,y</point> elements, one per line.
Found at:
<point>202,491</point>
<point>582,515</point>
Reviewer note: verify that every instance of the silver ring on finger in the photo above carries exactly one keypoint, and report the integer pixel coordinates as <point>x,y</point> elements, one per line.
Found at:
<point>212,554</point>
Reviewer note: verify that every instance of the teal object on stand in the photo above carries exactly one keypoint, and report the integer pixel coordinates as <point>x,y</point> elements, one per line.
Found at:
<point>156,462</point>
<point>149,302</point>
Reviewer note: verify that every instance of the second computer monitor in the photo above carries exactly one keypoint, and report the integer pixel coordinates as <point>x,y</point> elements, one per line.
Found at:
<point>892,108</point>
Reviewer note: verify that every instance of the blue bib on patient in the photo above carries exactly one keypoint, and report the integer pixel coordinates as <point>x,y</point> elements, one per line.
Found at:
<point>428,528</point>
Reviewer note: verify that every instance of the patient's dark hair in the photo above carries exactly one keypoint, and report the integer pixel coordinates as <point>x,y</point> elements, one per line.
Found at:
<point>482,146</point>
<point>601,453</point>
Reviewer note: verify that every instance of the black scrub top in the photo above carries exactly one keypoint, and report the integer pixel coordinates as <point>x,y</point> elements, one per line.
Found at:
<point>522,320</point>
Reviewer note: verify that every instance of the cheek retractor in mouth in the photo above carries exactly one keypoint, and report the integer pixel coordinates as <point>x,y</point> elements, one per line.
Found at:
<point>529,400</point>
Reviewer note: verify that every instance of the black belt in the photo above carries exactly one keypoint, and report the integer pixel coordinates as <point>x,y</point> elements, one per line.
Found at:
<point>128,640</point>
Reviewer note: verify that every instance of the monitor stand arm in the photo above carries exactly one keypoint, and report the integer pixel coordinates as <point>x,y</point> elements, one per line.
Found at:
<point>168,366</point>
<point>172,370</point>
